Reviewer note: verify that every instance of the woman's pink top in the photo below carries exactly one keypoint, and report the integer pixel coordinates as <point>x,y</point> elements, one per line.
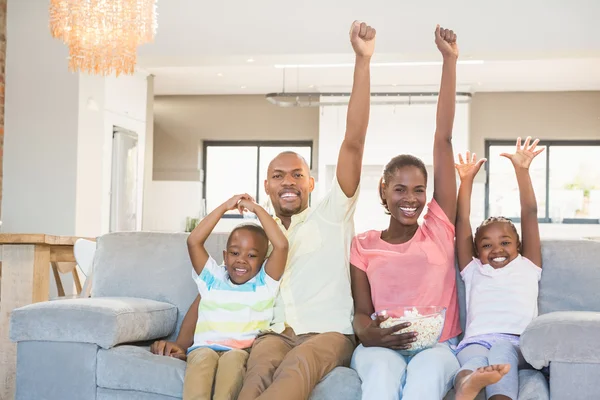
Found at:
<point>420,272</point>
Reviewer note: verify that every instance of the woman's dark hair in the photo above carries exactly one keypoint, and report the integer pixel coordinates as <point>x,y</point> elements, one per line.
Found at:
<point>489,221</point>
<point>396,163</point>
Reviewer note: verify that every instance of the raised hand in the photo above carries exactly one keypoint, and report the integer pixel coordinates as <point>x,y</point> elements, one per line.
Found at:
<point>234,202</point>
<point>247,205</point>
<point>469,168</point>
<point>524,154</point>
<point>445,39</point>
<point>362,37</point>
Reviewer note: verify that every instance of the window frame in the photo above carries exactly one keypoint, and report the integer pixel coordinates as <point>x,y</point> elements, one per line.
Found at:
<point>548,144</point>
<point>249,143</point>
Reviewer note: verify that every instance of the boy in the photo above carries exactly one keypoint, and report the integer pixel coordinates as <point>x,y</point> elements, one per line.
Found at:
<point>237,299</point>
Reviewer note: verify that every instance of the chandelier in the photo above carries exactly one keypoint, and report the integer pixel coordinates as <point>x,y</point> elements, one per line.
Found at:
<point>103,35</point>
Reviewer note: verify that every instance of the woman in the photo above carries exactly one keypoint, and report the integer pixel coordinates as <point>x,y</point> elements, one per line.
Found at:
<point>411,264</point>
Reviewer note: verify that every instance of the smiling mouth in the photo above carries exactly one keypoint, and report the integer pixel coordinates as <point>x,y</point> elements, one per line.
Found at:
<point>289,196</point>
<point>240,271</point>
<point>409,212</point>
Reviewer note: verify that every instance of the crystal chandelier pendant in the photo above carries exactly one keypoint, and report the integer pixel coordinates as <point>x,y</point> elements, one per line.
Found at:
<point>103,35</point>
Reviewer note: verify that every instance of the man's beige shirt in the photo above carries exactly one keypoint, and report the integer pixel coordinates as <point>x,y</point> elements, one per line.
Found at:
<point>315,294</point>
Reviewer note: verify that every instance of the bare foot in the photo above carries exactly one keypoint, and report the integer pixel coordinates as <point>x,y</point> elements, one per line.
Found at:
<point>469,387</point>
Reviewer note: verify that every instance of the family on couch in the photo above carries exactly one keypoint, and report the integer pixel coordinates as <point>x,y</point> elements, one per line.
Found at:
<point>271,327</point>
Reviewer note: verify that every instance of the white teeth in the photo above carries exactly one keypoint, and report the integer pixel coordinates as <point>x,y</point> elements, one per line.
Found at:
<point>408,210</point>
<point>240,270</point>
<point>499,259</point>
<point>285,195</point>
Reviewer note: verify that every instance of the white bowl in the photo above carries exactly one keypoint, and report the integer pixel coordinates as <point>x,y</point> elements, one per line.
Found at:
<point>426,321</point>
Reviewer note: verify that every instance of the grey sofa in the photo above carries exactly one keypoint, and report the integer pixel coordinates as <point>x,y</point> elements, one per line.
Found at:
<point>97,348</point>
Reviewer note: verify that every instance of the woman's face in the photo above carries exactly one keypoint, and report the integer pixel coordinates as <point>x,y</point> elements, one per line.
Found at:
<point>405,194</point>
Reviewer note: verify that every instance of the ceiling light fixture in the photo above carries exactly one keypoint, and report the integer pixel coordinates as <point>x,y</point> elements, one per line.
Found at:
<point>103,36</point>
<point>382,64</point>
<point>316,99</point>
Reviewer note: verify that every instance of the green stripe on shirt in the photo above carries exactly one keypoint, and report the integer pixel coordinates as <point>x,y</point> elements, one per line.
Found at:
<point>208,305</point>
<point>231,327</point>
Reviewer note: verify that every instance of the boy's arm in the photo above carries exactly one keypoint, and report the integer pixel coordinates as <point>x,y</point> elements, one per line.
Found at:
<point>521,160</point>
<point>197,238</point>
<point>443,155</point>
<point>277,260</point>
<point>467,170</point>
<point>350,157</point>
<point>185,339</point>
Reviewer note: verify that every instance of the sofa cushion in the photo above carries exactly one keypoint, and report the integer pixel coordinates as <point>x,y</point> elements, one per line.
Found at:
<point>570,276</point>
<point>149,265</point>
<point>103,321</point>
<point>112,394</point>
<point>340,384</point>
<point>566,336</point>
<point>135,368</point>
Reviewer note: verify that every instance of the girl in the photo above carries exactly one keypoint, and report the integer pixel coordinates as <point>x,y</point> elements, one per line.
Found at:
<point>408,264</point>
<point>501,284</point>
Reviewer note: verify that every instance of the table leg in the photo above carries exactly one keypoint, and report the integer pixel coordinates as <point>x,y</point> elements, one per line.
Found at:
<point>25,280</point>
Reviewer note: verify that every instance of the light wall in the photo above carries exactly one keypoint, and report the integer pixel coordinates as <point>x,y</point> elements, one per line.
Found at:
<point>41,124</point>
<point>181,123</point>
<point>546,115</point>
<point>58,134</point>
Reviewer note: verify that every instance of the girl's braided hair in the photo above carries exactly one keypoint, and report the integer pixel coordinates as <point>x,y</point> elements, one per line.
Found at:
<point>489,221</point>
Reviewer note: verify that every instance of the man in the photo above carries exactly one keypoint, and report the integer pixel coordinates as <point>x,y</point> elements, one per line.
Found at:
<point>312,331</point>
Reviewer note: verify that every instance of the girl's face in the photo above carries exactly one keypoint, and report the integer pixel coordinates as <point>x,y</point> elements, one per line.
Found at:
<point>497,244</point>
<point>405,194</point>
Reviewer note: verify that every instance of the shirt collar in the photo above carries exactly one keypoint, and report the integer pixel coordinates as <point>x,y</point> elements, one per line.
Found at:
<point>296,218</point>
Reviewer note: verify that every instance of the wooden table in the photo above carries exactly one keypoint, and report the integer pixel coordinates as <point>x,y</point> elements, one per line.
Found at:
<point>26,262</point>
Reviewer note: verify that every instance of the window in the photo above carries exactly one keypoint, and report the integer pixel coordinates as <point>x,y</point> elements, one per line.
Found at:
<point>565,178</point>
<point>241,167</point>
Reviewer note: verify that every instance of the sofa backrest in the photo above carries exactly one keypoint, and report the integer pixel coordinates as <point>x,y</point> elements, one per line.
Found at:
<point>570,276</point>
<point>157,266</point>
<point>149,265</point>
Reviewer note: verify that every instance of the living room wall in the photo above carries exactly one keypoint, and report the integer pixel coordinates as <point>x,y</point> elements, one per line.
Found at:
<point>181,123</point>
<point>547,115</point>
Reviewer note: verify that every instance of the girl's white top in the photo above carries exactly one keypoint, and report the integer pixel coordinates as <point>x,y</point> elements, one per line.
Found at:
<point>502,300</point>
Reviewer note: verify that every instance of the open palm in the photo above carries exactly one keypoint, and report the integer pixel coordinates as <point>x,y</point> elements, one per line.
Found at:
<point>469,168</point>
<point>524,154</point>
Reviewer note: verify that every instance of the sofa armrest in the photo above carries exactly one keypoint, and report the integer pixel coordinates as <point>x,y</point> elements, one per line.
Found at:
<point>105,321</point>
<point>563,336</point>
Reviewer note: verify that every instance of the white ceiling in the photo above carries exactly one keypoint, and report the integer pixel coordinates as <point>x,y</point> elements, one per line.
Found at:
<point>204,47</point>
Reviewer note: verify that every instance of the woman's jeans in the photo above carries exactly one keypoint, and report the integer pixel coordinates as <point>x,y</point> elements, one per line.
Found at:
<point>388,375</point>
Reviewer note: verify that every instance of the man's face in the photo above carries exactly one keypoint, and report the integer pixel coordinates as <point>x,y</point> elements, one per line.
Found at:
<point>289,184</point>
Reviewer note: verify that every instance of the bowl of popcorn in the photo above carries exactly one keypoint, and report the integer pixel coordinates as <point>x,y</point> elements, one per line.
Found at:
<point>427,322</point>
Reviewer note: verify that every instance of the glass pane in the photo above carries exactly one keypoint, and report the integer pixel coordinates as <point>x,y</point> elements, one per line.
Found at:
<point>229,170</point>
<point>504,191</point>
<point>574,182</point>
<point>268,153</point>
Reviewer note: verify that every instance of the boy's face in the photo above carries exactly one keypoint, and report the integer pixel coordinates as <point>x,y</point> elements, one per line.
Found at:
<point>245,254</point>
